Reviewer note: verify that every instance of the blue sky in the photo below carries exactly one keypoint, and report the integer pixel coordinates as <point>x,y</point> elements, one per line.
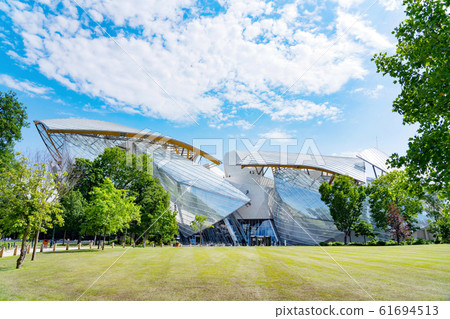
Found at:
<point>215,69</point>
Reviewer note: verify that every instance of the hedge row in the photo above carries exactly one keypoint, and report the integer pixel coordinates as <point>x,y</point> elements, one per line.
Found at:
<point>419,241</point>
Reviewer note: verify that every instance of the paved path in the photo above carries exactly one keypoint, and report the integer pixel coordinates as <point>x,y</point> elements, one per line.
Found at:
<point>10,252</point>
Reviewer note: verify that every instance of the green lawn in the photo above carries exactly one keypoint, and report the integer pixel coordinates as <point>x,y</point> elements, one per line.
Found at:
<point>233,273</point>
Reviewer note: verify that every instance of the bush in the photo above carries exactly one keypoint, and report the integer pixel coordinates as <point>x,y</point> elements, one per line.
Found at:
<point>372,243</point>
<point>391,243</point>
<point>381,243</point>
<point>409,241</point>
<point>322,243</point>
<point>419,241</point>
<point>355,244</point>
<point>338,243</point>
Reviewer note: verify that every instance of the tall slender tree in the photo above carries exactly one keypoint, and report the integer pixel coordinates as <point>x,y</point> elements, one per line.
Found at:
<point>110,210</point>
<point>199,225</point>
<point>26,203</point>
<point>345,201</point>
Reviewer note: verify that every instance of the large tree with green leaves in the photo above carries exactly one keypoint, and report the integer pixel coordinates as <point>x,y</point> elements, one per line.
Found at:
<point>27,203</point>
<point>421,65</point>
<point>73,211</point>
<point>345,199</point>
<point>110,210</point>
<point>13,117</point>
<point>132,173</point>
<point>393,189</point>
<point>158,221</point>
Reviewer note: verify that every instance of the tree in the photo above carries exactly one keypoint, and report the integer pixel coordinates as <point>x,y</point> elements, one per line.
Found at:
<point>73,211</point>
<point>421,64</point>
<point>363,228</point>
<point>157,219</point>
<point>397,225</point>
<point>26,194</point>
<point>13,117</point>
<point>345,200</point>
<point>393,188</point>
<point>132,173</point>
<point>438,209</point>
<point>110,210</point>
<point>112,163</point>
<point>199,225</point>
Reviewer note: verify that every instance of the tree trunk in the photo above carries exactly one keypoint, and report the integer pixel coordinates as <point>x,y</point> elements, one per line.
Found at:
<point>350,236</point>
<point>125,239</point>
<point>23,251</point>
<point>364,239</point>
<point>95,239</point>
<point>36,239</point>
<point>345,237</point>
<point>145,239</point>
<point>64,237</point>
<point>103,244</point>
<point>79,239</point>
<point>98,242</point>
<point>201,239</point>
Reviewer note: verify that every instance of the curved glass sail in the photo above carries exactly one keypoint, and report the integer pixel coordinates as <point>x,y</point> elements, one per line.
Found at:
<point>300,216</point>
<point>196,191</point>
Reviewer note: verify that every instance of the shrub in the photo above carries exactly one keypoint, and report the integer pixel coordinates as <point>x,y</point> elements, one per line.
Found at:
<point>372,243</point>
<point>419,241</point>
<point>322,243</point>
<point>381,243</point>
<point>338,243</point>
<point>391,243</point>
<point>355,244</point>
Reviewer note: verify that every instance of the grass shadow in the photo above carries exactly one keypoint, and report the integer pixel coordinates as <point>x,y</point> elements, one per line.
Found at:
<point>78,251</point>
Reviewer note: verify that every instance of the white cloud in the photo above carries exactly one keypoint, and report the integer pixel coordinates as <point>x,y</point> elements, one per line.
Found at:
<point>361,30</point>
<point>372,93</point>
<point>346,154</point>
<point>206,65</point>
<point>276,133</point>
<point>391,5</point>
<point>24,86</point>
<point>305,110</point>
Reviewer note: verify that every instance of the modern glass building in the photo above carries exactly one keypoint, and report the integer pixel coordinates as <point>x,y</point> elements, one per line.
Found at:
<point>263,198</point>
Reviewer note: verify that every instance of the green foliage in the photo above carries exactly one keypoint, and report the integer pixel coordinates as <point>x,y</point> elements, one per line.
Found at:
<point>27,197</point>
<point>393,188</point>
<point>421,64</point>
<point>28,200</point>
<point>125,173</point>
<point>199,224</point>
<point>441,227</point>
<point>13,117</point>
<point>438,209</point>
<point>132,173</point>
<point>345,200</point>
<point>110,210</point>
<point>363,228</point>
<point>73,210</point>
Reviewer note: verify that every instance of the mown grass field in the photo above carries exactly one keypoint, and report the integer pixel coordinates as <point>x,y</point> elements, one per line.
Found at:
<point>233,273</point>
